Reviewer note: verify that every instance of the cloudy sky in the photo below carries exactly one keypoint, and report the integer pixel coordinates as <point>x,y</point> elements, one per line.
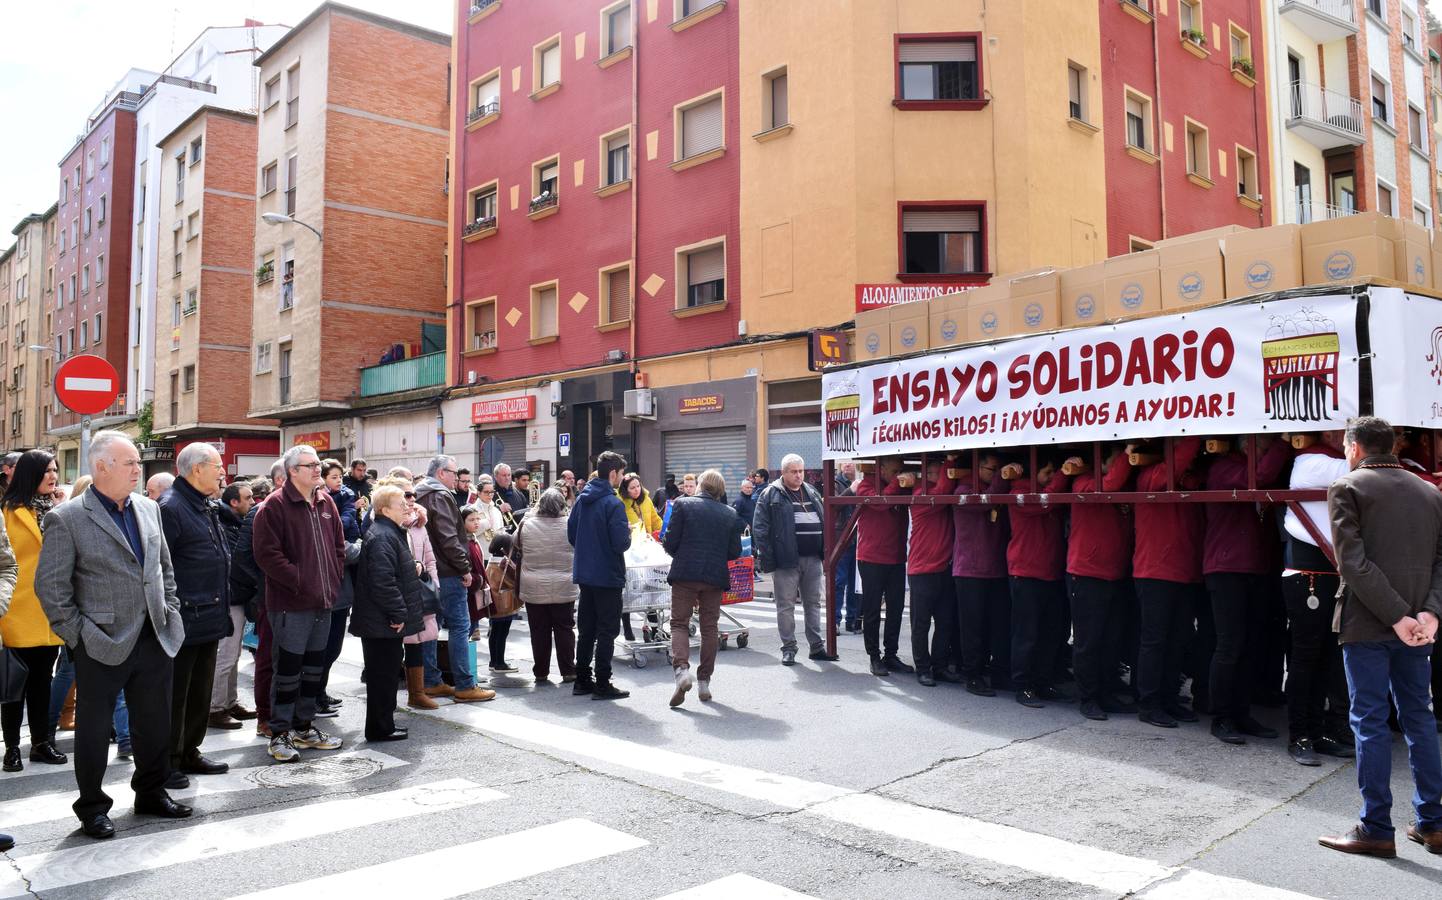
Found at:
<point>59,57</point>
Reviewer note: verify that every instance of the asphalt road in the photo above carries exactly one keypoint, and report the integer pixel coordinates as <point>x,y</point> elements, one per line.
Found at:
<point>818,780</point>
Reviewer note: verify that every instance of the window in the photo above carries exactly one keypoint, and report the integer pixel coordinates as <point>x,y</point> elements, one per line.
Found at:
<point>1139,121</point>
<point>70,340</point>
<point>187,379</point>
<point>617,164</point>
<point>262,358</point>
<point>616,29</point>
<point>1379,99</point>
<point>63,244</point>
<point>99,267</point>
<point>64,189</point>
<point>74,292</point>
<point>89,217</point>
<point>195,151</point>
<point>547,184</point>
<point>543,311</point>
<point>175,313</point>
<point>104,152</point>
<point>776,100</point>
<point>616,294</point>
<point>1137,245</point>
<point>1241,46</point>
<point>179,177</point>
<point>547,63</point>
<point>90,165</point>
<point>265,272</point>
<point>192,226</point>
<point>192,301</point>
<point>686,8</point>
<point>75,232</point>
<point>84,280</point>
<point>140,199</point>
<point>272,92</point>
<point>84,333</point>
<point>482,209</point>
<point>482,330</point>
<point>283,381</point>
<point>487,98</point>
<point>292,96</point>
<point>1246,173</point>
<point>1375,8</point>
<point>97,332</point>
<point>938,70</point>
<point>700,127</point>
<point>1189,13</point>
<point>268,179</point>
<point>1198,155</point>
<point>179,249</point>
<point>941,240</point>
<point>1420,215</point>
<point>1416,128</point>
<point>174,397</point>
<point>287,277</point>
<point>292,169</point>
<point>705,275</point>
<point>1386,205</point>
<point>1409,31</point>
<point>100,208</point>
<point>1076,83</point>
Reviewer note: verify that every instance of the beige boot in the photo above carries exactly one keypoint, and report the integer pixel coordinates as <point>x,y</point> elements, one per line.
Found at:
<point>416,687</point>
<point>440,690</point>
<point>67,712</point>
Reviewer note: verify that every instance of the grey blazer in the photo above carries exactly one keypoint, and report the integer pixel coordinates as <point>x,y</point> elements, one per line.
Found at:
<point>92,588</point>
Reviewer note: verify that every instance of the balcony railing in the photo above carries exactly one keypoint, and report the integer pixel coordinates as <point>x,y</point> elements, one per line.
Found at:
<point>1328,118</point>
<point>478,5</point>
<point>478,225</point>
<point>485,109</point>
<point>428,370</point>
<point>1305,208</point>
<point>1322,20</point>
<point>544,201</point>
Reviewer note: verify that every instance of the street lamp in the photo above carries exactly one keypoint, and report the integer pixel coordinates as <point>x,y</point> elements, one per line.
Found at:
<point>41,348</point>
<point>282,219</point>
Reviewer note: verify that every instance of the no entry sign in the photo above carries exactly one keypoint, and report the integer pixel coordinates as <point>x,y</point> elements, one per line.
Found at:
<point>86,384</point>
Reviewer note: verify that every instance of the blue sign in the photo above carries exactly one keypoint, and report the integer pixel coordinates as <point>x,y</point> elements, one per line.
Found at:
<point>1340,264</point>
<point>563,441</point>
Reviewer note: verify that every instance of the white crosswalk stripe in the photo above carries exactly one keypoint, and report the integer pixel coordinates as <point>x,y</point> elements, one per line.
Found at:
<point>215,740</point>
<point>125,856</point>
<point>56,805</point>
<point>738,885</point>
<point>507,858</point>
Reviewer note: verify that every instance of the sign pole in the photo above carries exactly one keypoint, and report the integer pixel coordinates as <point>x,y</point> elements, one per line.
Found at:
<point>85,445</point>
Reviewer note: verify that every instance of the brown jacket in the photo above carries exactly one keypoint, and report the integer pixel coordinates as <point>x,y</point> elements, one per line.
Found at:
<point>1387,532</point>
<point>301,549</point>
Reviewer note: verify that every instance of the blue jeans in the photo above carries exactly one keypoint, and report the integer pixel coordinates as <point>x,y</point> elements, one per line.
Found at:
<point>455,617</point>
<point>1372,667</point>
<point>60,686</point>
<point>847,601</point>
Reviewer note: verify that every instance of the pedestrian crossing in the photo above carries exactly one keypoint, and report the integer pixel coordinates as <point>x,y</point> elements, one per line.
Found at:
<point>738,885</point>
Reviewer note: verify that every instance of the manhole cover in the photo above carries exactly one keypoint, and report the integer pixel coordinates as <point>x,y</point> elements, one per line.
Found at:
<point>337,770</point>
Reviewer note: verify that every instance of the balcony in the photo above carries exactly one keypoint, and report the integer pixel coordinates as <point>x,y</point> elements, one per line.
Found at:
<point>1324,118</point>
<point>424,371</point>
<point>1322,20</point>
<point>485,110</point>
<point>1305,208</point>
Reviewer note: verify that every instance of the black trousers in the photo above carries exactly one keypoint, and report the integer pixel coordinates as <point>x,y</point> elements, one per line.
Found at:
<point>599,621</point>
<point>1098,608</point>
<point>1317,702</point>
<point>882,581</point>
<point>333,643</point>
<point>1168,609</point>
<point>145,678</point>
<point>190,687</point>
<point>1201,644</point>
<point>414,655</point>
<point>41,663</point>
<point>1239,614</point>
<point>1038,629</point>
<point>984,614</point>
<point>383,658</point>
<point>933,601</point>
<point>496,640</point>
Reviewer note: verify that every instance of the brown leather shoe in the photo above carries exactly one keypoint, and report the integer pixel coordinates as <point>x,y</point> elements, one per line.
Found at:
<point>472,695</point>
<point>440,690</point>
<point>1355,841</point>
<point>241,713</point>
<point>223,720</point>
<point>1432,840</point>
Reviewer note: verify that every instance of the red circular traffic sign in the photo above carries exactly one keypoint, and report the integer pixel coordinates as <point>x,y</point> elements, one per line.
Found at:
<point>86,384</point>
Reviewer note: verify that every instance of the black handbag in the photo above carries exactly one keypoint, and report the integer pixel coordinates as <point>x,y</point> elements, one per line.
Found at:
<point>13,673</point>
<point>430,596</point>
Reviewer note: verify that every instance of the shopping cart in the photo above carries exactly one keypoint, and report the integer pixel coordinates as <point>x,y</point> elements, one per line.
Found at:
<point>743,590</point>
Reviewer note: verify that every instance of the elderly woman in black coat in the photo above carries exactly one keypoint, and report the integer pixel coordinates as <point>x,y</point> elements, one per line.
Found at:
<point>387,609</point>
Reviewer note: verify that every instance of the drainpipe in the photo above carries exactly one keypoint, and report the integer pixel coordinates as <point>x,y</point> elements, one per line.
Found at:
<point>636,138</point>
<point>1161,125</point>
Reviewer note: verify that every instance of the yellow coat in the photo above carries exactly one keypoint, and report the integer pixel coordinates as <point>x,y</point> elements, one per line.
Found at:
<point>646,514</point>
<point>26,624</point>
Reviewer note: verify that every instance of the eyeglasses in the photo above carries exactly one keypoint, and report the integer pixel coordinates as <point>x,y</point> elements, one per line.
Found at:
<point>410,496</point>
<point>314,465</point>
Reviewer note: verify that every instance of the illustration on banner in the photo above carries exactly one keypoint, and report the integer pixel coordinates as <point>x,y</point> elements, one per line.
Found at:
<point>843,413</point>
<point>1299,366</point>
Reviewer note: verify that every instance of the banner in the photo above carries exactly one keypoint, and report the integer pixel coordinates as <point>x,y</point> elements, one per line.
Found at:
<point>1252,368</point>
<point>1406,344</point>
<point>880,296</point>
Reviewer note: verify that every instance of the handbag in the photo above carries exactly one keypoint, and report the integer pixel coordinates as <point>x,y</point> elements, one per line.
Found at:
<point>503,577</point>
<point>430,596</point>
<point>13,673</point>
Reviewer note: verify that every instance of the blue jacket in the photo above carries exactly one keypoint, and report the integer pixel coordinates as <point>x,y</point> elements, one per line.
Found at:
<point>745,506</point>
<point>705,535</point>
<point>597,529</point>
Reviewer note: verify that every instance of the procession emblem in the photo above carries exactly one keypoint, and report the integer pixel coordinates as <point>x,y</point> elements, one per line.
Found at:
<point>1299,367</point>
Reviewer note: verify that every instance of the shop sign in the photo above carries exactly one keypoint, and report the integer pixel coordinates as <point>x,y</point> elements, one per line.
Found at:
<point>880,296</point>
<point>506,409</point>
<point>318,440</point>
<point>828,348</point>
<point>709,403</point>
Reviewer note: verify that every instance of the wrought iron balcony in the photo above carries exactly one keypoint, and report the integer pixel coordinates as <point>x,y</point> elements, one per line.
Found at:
<point>485,109</point>
<point>427,370</point>
<point>1325,118</point>
<point>479,5</point>
<point>478,225</point>
<point>544,201</point>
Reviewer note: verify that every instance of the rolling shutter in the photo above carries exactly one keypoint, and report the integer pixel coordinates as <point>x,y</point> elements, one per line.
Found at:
<point>780,102</point>
<point>949,220</point>
<point>488,92</point>
<point>551,65</point>
<point>701,128</point>
<point>545,324</point>
<point>937,51</point>
<point>706,265</point>
<point>618,295</point>
<point>723,449</point>
<point>512,448</point>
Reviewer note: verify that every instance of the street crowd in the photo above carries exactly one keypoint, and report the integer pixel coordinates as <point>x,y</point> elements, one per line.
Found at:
<point>123,613</point>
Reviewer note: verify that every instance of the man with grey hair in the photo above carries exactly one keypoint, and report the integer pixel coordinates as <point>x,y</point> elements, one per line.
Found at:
<point>158,484</point>
<point>510,498</point>
<point>786,538</point>
<point>299,545</point>
<point>107,586</point>
<point>243,562</point>
<point>190,516</point>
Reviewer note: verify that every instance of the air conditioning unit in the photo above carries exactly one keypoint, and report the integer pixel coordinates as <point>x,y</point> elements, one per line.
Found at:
<point>471,376</point>
<point>639,404</point>
<point>615,356</point>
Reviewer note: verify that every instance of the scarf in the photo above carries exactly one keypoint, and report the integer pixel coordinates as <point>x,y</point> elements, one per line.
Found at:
<point>40,504</point>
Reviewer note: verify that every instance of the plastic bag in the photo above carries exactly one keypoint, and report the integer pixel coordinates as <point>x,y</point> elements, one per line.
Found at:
<point>647,566</point>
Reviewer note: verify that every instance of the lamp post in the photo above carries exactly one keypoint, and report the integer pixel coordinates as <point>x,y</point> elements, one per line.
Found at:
<point>282,219</point>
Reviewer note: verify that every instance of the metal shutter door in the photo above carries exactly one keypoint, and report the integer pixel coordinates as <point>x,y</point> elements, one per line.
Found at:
<point>701,128</point>
<point>618,295</point>
<point>950,220</point>
<point>937,51</point>
<point>706,265</point>
<point>513,450</point>
<point>723,449</point>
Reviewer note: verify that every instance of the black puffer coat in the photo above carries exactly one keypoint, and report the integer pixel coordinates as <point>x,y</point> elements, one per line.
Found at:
<point>704,535</point>
<point>200,553</point>
<point>387,589</point>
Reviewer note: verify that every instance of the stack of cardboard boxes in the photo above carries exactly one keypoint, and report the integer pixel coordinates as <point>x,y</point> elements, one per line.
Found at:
<point>1179,273</point>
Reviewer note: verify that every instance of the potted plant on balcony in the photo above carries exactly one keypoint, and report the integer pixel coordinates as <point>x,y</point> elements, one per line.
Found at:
<point>543,200</point>
<point>1194,35</point>
<point>1244,65</point>
<point>265,272</point>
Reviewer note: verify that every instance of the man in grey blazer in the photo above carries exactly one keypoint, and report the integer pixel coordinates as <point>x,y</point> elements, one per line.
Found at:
<point>107,586</point>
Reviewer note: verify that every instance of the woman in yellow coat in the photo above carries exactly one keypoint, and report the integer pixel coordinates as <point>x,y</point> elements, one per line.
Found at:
<point>639,507</point>
<point>24,627</point>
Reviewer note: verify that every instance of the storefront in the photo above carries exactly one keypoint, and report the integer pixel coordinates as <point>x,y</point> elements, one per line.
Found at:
<point>514,427</point>
<point>331,439</point>
<point>244,455</point>
<point>793,423</point>
<point>591,420</point>
<point>406,438</point>
<point>699,427</point>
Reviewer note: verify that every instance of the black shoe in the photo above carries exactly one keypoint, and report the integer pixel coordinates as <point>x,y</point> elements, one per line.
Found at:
<point>605,690</point>
<point>853,627</point>
<point>877,668</point>
<point>1181,713</point>
<point>979,687</point>
<point>1252,728</point>
<point>1302,752</point>
<point>926,679</point>
<point>1114,704</point>
<point>1334,748</point>
<point>7,843</point>
<point>1055,695</point>
<point>504,668</point>
<point>176,781</point>
<point>583,685</point>
<point>1158,717</point>
<point>894,663</point>
<point>399,734</point>
<point>328,700</point>
<point>822,655</point>
<point>950,676</point>
<point>46,753</point>
<point>1224,731</point>
<point>1029,699</point>
<point>1092,710</point>
<point>326,712</point>
<point>98,826</point>
<point>203,765</point>
<point>12,760</point>
<point>788,656</point>
<point>162,806</point>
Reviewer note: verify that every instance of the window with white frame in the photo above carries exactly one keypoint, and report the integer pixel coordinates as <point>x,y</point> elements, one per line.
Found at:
<point>84,280</point>
<point>101,206</point>
<point>195,147</point>
<point>99,267</point>
<point>1416,128</point>
<point>483,207</point>
<point>546,186</point>
<point>482,320</point>
<point>84,333</point>
<point>1247,185</point>
<point>192,301</point>
<point>1198,155</point>
<point>89,218</point>
<point>1409,30</point>
<point>686,8</point>
<point>268,176</point>
<point>292,95</point>
<point>262,357</point>
<point>272,92</point>
<point>89,165</point>
<point>776,99</point>
<point>192,226</point>
<point>543,311</point>
<point>547,64</point>
<point>705,272</point>
<point>1189,15</point>
<point>187,379</point>
<point>487,99</point>
<point>292,175</point>
<point>104,152</point>
<point>1139,121</point>
<point>179,177</point>
<point>616,33</point>
<point>1386,199</point>
<point>282,381</point>
<point>1076,88</point>
<point>700,127</point>
<point>618,157</point>
<point>1380,100</point>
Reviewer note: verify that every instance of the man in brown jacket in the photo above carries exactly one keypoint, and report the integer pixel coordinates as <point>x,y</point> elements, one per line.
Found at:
<point>1387,533</point>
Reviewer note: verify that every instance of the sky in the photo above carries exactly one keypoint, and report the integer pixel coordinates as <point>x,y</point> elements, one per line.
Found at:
<point>59,57</point>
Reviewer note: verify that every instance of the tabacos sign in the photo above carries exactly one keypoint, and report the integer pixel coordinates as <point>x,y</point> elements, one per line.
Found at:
<point>880,296</point>
<point>709,403</point>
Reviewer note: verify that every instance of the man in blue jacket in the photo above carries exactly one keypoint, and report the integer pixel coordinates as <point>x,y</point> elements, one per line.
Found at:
<point>598,531</point>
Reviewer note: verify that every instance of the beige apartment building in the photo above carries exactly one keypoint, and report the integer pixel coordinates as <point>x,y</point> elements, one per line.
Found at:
<point>26,273</point>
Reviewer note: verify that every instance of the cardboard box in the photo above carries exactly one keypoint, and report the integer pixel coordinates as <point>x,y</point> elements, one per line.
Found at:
<point>1133,284</point>
<point>873,335</point>
<point>1436,257</point>
<point>1218,233</point>
<point>988,310</point>
<point>1413,255</point>
<point>909,327</point>
<point>1349,248</point>
<point>1191,271</point>
<point>948,320</point>
<point>1263,259</point>
<point>1081,295</point>
<point>1036,301</point>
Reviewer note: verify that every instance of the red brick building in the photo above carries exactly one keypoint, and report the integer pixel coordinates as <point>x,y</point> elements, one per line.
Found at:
<point>1185,118</point>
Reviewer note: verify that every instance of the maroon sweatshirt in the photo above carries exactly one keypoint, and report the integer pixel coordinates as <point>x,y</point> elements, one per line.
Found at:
<point>880,530</point>
<point>931,529</point>
<point>978,547</point>
<point>1101,533</point>
<point>1238,537</point>
<point>1038,548</point>
<point>1169,536</point>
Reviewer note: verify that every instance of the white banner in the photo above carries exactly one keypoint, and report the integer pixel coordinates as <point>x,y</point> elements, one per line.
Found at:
<point>1406,343</point>
<point>1285,365</point>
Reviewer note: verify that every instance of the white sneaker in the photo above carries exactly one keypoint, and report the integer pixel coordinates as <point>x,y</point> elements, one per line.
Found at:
<point>314,739</point>
<point>703,690</point>
<point>684,683</point>
<point>282,749</point>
